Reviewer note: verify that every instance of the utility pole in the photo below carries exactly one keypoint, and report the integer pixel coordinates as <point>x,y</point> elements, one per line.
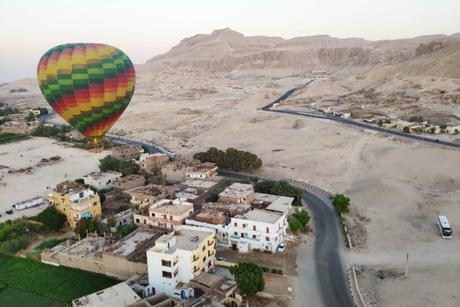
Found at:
<point>407,265</point>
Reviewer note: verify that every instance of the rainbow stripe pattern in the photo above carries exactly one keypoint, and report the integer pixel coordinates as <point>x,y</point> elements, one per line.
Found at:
<point>88,85</point>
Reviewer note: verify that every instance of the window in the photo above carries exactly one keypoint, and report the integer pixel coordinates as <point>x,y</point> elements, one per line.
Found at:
<point>267,230</point>
<point>235,233</point>
<point>167,274</point>
<point>244,225</point>
<point>153,214</point>
<point>137,221</point>
<point>253,236</point>
<point>267,238</point>
<point>170,217</point>
<point>95,204</point>
<point>235,224</point>
<point>203,248</point>
<point>165,263</point>
<point>254,227</point>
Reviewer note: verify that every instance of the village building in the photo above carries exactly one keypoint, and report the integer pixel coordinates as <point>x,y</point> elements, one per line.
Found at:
<point>127,152</point>
<point>201,171</point>
<point>165,213</point>
<point>121,259</point>
<point>156,161</point>
<point>101,181</point>
<point>257,229</point>
<point>272,202</point>
<point>128,182</point>
<point>120,295</point>
<point>75,202</point>
<point>149,194</point>
<point>228,209</point>
<point>179,257</point>
<point>238,193</point>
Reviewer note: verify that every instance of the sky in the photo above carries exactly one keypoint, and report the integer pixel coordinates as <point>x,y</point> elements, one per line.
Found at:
<point>143,29</point>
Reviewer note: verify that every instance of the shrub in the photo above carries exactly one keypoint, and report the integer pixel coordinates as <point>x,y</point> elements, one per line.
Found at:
<point>12,246</point>
<point>299,221</point>
<point>341,204</point>
<point>124,230</point>
<point>51,219</point>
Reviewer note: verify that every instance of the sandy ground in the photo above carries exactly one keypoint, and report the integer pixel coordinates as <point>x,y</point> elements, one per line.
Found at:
<point>74,164</point>
<point>398,186</point>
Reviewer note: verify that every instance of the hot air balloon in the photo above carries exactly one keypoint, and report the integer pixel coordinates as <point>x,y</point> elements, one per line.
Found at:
<point>88,85</point>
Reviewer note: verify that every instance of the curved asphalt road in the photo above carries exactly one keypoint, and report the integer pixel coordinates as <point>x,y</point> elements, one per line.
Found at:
<point>352,122</point>
<point>331,273</point>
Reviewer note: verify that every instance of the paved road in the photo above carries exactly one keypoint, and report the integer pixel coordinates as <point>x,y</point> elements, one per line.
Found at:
<point>348,121</point>
<point>330,269</point>
<point>332,281</point>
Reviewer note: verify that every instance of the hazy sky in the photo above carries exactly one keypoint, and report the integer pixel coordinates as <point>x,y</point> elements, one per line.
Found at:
<point>143,29</point>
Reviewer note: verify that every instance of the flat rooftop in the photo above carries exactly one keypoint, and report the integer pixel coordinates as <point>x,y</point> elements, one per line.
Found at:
<point>150,190</point>
<point>102,175</point>
<point>67,186</point>
<point>237,190</point>
<point>197,183</point>
<point>128,245</point>
<point>128,178</point>
<point>167,205</point>
<point>186,239</point>
<point>277,203</point>
<point>259,215</point>
<point>120,295</point>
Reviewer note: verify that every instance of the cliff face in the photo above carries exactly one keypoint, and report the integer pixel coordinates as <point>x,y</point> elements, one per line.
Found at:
<point>226,50</point>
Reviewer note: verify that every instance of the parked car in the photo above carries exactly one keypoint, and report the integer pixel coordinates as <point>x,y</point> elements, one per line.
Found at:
<point>282,247</point>
<point>9,211</point>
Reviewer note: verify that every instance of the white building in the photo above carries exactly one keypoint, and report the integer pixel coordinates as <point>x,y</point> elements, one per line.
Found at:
<point>101,181</point>
<point>178,257</point>
<point>257,230</point>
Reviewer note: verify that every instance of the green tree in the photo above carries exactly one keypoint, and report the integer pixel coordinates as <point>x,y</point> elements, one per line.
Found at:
<point>231,159</point>
<point>294,225</point>
<point>443,126</point>
<point>52,219</point>
<point>85,226</point>
<point>406,129</point>
<point>341,204</point>
<point>124,230</point>
<point>249,277</point>
<point>110,163</point>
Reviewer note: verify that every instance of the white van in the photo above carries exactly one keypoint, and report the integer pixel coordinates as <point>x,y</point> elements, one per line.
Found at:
<point>444,227</point>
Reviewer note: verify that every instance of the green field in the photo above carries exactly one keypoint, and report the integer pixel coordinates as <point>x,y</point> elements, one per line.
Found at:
<point>12,137</point>
<point>32,283</point>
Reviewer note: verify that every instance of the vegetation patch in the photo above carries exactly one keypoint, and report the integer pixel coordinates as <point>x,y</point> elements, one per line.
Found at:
<point>40,284</point>
<point>249,277</point>
<point>110,163</point>
<point>8,137</point>
<point>231,159</point>
<point>51,219</point>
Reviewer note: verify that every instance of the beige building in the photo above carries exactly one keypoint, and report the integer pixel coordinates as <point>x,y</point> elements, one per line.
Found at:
<point>238,193</point>
<point>156,160</point>
<point>201,171</point>
<point>127,152</point>
<point>101,181</point>
<point>121,259</point>
<point>128,182</point>
<point>165,213</point>
<point>149,194</point>
<point>75,202</point>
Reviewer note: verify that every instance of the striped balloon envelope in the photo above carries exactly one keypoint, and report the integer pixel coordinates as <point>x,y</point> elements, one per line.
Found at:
<point>88,85</point>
